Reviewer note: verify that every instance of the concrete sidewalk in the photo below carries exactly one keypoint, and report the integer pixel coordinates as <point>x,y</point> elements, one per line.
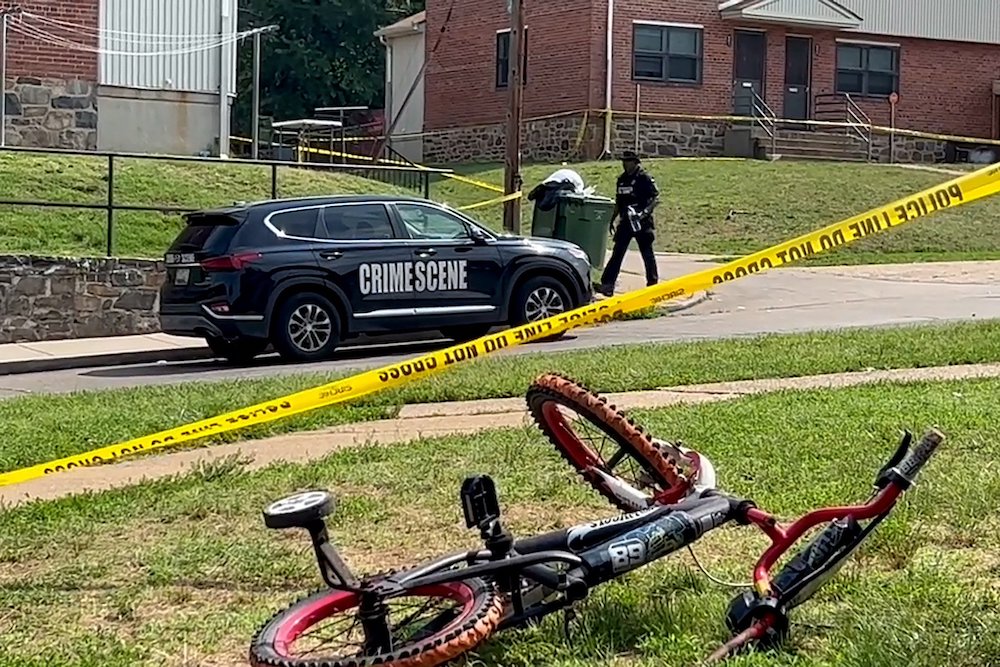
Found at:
<point>438,419</point>
<point>111,351</point>
<point>153,348</point>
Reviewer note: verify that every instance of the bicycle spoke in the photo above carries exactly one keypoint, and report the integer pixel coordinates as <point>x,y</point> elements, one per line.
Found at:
<point>421,617</point>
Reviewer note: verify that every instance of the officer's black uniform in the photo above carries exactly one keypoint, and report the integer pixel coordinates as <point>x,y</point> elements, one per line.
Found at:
<point>637,190</point>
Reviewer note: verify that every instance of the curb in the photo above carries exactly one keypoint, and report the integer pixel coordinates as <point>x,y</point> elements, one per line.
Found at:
<point>691,302</point>
<point>105,360</point>
<point>194,353</point>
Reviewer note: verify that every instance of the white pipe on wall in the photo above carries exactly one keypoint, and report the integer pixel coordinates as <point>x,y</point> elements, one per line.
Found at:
<point>388,118</point>
<point>225,32</point>
<point>609,34</point>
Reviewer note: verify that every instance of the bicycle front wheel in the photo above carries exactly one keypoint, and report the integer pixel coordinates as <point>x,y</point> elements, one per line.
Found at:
<point>610,452</point>
<point>429,626</point>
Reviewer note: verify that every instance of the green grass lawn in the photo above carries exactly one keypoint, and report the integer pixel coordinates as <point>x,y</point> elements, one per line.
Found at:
<point>781,199</point>
<point>51,231</point>
<point>182,571</point>
<point>42,428</point>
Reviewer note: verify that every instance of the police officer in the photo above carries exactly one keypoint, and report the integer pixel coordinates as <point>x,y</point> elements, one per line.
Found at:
<point>636,197</point>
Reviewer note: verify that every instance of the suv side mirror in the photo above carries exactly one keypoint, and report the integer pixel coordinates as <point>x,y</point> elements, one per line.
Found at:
<point>477,236</point>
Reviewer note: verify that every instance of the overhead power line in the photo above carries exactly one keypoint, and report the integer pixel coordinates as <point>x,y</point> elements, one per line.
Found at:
<point>110,33</point>
<point>34,32</point>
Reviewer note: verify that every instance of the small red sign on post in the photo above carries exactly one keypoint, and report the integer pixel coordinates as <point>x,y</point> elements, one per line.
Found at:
<point>893,98</point>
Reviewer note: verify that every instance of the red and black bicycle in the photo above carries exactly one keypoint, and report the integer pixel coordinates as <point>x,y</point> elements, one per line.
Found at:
<point>436,611</point>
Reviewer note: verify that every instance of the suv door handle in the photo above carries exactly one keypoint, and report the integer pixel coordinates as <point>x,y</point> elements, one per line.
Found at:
<point>426,252</point>
<point>331,254</point>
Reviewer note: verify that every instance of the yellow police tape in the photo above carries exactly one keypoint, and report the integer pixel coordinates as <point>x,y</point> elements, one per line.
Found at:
<point>949,195</point>
<point>376,161</point>
<point>414,165</point>
<point>491,202</point>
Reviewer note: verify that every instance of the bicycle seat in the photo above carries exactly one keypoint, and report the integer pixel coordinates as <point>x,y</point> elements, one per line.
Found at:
<point>303,510</point>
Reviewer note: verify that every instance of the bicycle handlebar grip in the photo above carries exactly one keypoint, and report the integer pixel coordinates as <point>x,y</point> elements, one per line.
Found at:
<point>919,455</point>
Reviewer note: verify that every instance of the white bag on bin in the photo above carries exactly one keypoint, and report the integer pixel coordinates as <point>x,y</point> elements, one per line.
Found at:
<point>566,176</point>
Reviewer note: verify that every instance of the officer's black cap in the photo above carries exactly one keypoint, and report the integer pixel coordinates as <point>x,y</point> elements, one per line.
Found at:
<point>630,156</point>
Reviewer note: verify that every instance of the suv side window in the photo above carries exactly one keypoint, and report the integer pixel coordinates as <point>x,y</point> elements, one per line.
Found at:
<point>301,223</point>
<point>356,222</point>
<point>424,222</point>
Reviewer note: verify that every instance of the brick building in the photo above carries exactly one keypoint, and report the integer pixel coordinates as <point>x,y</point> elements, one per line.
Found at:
<point>119,75</point>
<point>691,56</point>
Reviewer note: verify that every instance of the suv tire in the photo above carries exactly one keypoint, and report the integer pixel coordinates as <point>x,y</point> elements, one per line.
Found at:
<point>306,328</point>
<point>537,299</point>
<point>239,351</point>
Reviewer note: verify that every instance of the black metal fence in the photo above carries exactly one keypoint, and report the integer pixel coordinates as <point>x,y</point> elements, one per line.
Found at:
<point>353,151</point>
<point>417,179</point>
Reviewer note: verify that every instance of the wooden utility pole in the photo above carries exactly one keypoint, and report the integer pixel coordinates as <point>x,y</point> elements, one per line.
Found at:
<point>515,79</point>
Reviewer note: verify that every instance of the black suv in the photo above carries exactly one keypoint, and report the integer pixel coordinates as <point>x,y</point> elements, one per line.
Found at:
<point>305,274</point>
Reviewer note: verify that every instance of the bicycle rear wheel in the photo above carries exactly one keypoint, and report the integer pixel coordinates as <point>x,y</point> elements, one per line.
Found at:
<point>642,471</point>
<point>429,626</point>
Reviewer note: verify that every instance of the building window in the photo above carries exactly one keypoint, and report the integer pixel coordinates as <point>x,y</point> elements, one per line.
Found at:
<point>867,70</point>
<point>670,54</point>
<point>503,58</point>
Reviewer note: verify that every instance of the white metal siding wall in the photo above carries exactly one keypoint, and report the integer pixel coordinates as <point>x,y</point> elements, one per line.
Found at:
<point>954,20</point>
<point>407,59</point>
<point>167,23</point>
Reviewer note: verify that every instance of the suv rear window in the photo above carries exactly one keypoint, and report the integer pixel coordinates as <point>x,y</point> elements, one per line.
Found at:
<point>206,232</point>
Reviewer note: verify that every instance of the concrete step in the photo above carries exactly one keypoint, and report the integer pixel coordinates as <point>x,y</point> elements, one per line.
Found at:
<point>811,135</point>
<point>817,142</point>
<point>819,157</point>
<point>823,150</point>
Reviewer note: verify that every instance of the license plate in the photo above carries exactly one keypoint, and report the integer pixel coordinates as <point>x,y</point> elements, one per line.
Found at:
<point>182,277</point>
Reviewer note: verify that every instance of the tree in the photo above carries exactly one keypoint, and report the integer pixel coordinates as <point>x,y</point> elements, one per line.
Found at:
<point>324,53</point>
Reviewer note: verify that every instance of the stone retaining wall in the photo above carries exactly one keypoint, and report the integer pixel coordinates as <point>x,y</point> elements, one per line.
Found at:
<point>560,139</point>
<point>549,140</point>
<point>909,149</point>
<point>47,298</point>
<point>51,113</point>
<point>669,138</point>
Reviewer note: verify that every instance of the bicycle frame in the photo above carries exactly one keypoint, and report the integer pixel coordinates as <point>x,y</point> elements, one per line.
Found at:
<point>597,552</point>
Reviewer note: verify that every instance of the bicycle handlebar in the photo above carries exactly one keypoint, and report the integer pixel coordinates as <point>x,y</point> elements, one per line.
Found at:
<point>920,455</point>
<point>898,479</point>
<point>763,616</point>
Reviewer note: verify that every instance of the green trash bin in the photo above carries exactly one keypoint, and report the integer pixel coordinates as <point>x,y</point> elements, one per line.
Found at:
<point>579,219</point>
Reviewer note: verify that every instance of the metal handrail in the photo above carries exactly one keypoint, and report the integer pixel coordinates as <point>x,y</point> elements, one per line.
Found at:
<point>761,114</point>
<point>855,111</point>
<point>856,121</point>
<point>764,116</point>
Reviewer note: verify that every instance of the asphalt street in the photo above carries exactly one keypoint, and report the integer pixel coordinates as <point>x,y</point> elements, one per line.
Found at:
<point>782,301</point>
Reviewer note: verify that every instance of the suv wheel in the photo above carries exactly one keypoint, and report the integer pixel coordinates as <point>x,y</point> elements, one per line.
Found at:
<point>239,351</point>
<point>538,299</point>
<point>306,328</point>
<point>466,333</point>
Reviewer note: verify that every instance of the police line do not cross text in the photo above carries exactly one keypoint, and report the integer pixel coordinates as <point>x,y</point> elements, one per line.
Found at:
<point>401,277</point>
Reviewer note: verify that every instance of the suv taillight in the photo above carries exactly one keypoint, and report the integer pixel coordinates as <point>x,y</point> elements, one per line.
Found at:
<point>229,262</point>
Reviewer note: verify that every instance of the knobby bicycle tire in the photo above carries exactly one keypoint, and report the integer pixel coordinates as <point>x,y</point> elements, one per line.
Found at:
<point>483,611</point>
<point>553,388</point>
